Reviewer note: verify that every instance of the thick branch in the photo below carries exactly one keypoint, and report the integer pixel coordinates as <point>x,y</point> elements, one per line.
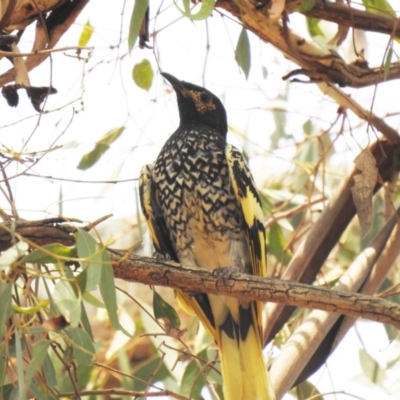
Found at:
<point>343,14</point>
<point>163,273</point>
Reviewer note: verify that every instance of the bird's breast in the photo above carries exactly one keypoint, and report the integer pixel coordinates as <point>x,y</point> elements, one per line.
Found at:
<point>197,202</point>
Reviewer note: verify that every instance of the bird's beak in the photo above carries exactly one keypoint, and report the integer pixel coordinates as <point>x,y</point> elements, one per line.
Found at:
<point>175,83</point>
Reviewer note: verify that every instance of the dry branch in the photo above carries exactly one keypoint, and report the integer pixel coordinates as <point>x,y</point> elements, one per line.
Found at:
<point>165,273</point>
<point>45,40</point>
<point>343,14</point>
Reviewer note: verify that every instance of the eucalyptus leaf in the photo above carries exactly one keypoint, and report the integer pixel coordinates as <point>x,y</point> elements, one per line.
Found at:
<point>139,10</point>
<point>242,52</point>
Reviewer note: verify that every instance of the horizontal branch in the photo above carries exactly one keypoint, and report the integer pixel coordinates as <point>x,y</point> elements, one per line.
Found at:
<point>165,273</point>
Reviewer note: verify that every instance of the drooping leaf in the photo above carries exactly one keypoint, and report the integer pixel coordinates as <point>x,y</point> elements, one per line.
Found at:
<point>143,74</point>
<point>82,345</point>
<point>139,10</point>
<point>86,34</point>
<point>5,309</point>
<point>163,310</point>
<point>20,362</point>
<point>89,251</point>
<point>276,242</point>
<point>107,290</point>
<point>67,302</point>
<point>388,60</point>
<point>49,371</point>
<point>39,355</point>
<point>91,158</point>
<point>242,52</point>
<point>154,370</point>
<point>363,188</point>
<point>82,373</point>
<point>206,8</point>
<point>193,378</point>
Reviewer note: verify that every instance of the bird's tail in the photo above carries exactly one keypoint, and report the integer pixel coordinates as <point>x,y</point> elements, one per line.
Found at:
<point>243,367</point>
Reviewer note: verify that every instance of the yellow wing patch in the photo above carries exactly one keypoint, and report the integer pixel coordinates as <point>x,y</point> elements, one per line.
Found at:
<point>246,193</point>
<point>145,200</point>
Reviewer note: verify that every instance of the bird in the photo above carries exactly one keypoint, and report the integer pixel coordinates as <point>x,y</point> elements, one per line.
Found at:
<point>203,210</point>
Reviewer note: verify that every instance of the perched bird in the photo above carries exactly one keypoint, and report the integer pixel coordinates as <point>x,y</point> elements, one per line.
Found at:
<point>203,211</point>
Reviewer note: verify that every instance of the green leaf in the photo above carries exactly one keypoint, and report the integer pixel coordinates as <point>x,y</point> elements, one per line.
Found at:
<point>264,72</point>
<point>162,309</point>
<point>31,310</point>
<point>388,61</point>
<point>82,345</point>
<point>143,74</point>
<point>91,158</point>
<point>89,251</point>
<point>193,379</point>
<point>93,300</point>
<point>7,392</point>
<point>313,27</point>
<point>207,7</point>
<point>67,302</point>
<point>3,366</point>
<point>276,243</point>
<point>39,354</point>
<point>379,6</point>
<point>152,371</point>
<point>242,52</point>
<point>49,371</point>
<point>306,390</point>
<point>5,309</point>
<point>50,254</point>
<point>85,322</point>
<point>20,362</point>
<point>305,5</point>
<point>107,290</point>
<point>82,372</point>
<point>86,34</point>
<point>139,10</point>
<point>371,367</point>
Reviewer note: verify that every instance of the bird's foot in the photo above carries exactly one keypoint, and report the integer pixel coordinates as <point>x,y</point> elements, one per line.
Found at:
<point>224,273</point>
<point>161,257</point>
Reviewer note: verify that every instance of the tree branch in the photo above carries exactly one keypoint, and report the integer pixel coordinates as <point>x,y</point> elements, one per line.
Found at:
<point>165,273</point>
<point>322,64</point>
<point>343,14</point>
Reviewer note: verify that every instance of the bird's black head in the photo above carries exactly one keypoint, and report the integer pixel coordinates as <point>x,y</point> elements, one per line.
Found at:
<point>198,105</point>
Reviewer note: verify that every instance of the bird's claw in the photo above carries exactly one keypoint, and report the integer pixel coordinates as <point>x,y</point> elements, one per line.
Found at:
<point>161,257</point>
<point>224,273</point>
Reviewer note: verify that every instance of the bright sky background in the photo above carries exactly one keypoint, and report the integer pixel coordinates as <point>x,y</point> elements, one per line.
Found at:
<point>99,95</point>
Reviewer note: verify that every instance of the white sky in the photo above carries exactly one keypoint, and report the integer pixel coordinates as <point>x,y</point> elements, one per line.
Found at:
<point>100,95</point>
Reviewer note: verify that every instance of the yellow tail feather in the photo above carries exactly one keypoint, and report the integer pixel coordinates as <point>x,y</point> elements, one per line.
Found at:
<point>243,368</point>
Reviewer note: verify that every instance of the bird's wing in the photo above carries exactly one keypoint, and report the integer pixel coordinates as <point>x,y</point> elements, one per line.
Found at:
<point>196,304</point>
<point>155,222</point>
<point>249,200</point>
